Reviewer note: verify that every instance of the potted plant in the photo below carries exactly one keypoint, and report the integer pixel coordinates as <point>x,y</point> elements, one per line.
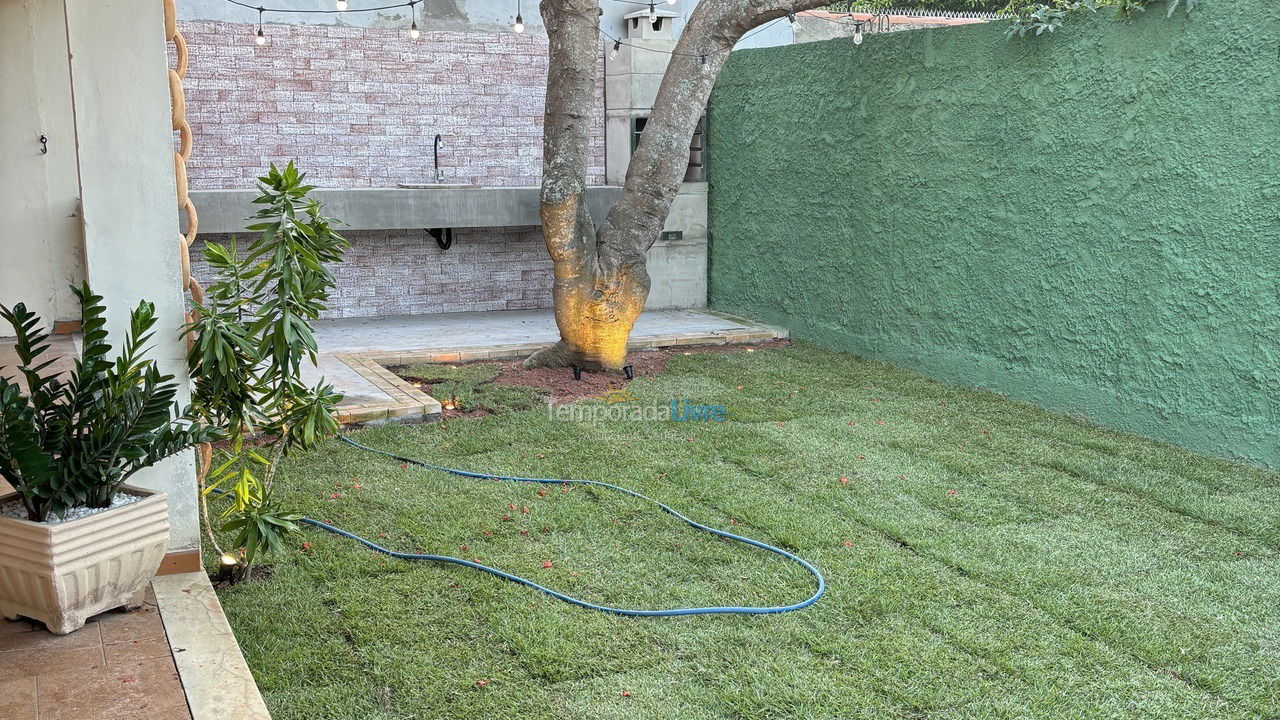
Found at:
<point>75,540</point>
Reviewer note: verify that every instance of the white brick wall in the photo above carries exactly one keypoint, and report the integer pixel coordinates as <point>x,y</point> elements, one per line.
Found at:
<point>402,272</point>
<point>359,107</point>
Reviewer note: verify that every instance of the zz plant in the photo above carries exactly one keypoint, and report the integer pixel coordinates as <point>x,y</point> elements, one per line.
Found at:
<point>71,442</point>
<point>252,334</point>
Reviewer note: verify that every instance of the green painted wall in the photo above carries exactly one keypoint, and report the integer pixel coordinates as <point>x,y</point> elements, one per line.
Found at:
<point>1089,221</point>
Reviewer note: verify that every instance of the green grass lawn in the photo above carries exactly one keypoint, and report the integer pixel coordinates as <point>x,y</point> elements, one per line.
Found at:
<point>984,559</point>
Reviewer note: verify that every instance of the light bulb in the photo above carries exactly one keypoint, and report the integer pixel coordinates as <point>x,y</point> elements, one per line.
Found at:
<point>519,26</point>
<point>260,38</point>
<point>791,18</point>
<point>414,32</point>
<point>671,2</point>
<point>617,45</point>
<point>340,5</point>
<point>857,37</point>
<point>653,13</point>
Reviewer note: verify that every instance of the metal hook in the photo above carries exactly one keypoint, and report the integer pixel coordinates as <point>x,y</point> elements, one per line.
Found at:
<point>44,145</point>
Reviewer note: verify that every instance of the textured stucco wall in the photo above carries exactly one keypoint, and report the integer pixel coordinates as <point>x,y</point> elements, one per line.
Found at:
<point>1089,221</point>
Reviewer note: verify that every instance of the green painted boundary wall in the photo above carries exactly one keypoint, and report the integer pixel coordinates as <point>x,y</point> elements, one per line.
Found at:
<point>1088,221</point>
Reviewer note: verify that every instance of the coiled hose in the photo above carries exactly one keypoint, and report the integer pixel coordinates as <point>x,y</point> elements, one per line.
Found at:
<point>712,610</point>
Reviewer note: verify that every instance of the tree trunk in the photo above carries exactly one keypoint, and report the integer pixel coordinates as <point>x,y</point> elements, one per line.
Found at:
<point>601,282</point>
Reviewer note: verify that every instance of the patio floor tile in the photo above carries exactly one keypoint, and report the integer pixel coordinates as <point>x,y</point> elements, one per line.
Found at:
<point>124,691</point>
<point>18,699</point>
<point>137,650</point>
<point>39,639</point>
<point>34,663</point>
<point>119,666</point>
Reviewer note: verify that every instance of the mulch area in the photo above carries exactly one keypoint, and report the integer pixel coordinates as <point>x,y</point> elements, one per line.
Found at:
<point>561,387</point>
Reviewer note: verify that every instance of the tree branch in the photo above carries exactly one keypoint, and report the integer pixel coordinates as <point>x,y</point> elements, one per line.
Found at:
<point>659,163</point>
<point>571,86</point>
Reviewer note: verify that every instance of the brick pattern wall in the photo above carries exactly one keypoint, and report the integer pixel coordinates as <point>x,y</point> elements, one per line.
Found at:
<point>404,272</point>
<point>360,107</point>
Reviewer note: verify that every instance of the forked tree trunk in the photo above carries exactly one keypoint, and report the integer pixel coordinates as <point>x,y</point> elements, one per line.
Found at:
<point>601,282</point>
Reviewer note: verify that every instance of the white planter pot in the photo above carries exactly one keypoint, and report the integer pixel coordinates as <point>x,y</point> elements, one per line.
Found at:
<point>62,574</point>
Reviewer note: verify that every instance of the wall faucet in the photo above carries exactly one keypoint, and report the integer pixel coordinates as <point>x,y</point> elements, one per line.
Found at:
<point>435,154</point>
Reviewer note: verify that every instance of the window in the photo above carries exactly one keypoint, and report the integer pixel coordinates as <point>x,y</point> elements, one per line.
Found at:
<point>697,170</point>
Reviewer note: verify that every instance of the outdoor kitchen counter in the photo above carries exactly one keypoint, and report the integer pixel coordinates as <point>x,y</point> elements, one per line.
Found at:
<point>225,211</point>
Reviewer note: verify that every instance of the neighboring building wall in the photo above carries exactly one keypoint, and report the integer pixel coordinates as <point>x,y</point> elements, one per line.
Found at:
<point>816,25</point>
<point>1087,221</point>
<point>360,107</point>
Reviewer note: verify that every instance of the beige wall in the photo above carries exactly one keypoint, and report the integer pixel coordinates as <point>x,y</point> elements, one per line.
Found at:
<point>92,75</point>
<point>40,243</point>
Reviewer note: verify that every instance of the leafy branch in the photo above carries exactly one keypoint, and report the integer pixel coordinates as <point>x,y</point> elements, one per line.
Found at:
<point>251,337</point>
<point>1032,17</point>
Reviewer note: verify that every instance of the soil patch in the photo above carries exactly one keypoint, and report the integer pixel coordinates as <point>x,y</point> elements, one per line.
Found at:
<point>444,382</point>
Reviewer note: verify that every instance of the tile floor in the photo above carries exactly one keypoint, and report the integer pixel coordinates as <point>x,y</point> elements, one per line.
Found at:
<point>117,667</point>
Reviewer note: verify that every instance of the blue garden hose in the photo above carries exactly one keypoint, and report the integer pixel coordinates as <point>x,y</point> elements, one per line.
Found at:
<point>714,610</point>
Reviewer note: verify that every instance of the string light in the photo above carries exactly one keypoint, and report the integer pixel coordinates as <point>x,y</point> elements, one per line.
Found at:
<point>341,5</point>
<point>857,34</point>
<point>260,39</point>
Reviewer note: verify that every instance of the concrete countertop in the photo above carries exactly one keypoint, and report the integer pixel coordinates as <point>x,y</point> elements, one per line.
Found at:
<point>225,211</point>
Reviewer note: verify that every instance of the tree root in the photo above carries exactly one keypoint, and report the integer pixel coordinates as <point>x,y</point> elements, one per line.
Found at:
<point>563,355</point>
<point>555,356</point>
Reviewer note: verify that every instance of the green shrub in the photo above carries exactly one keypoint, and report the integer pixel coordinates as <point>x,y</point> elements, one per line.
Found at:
<point>71,443</point>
